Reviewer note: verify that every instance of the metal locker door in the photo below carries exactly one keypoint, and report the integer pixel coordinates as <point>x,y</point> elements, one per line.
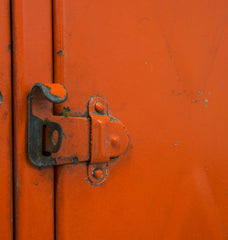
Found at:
<point>161,65</point>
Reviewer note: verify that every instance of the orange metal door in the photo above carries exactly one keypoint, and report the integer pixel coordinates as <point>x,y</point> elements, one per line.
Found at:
<point>6,197</point>
<point>162,67</point>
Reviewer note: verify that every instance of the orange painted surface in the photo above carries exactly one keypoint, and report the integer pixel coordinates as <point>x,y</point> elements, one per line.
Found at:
<point>6,212</point>
<point>57,90</point>
<point>162,66</point>
<point>32,62</point>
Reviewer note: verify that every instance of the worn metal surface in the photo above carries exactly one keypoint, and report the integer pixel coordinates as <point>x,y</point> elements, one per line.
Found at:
<point>162,66</point>
<point>40,129</point>
<point>6,193</point>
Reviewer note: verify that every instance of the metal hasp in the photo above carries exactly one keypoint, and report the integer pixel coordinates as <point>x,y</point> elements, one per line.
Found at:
<point>57,140</point>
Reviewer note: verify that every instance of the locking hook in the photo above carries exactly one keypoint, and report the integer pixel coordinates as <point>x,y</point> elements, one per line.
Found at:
<point>36,125</point>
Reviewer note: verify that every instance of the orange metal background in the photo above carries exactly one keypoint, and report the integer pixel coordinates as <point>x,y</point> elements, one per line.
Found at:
<point>6,214</point>
<point>32,62</point>
<point>162,66</point>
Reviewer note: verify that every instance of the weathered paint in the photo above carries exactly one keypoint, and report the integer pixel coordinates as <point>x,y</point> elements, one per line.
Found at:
<point>57,90</point>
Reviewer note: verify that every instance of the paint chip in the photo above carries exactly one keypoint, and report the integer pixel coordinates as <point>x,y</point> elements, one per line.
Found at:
<point>1,98</point>
<point>205,100</point>
<point>66,111</point>
<point>60,52</point>
<point>175,143</point>
<point>146,62</point>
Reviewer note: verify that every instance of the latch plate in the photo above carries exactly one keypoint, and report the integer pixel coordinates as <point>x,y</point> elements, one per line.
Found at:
<point>57,140</point>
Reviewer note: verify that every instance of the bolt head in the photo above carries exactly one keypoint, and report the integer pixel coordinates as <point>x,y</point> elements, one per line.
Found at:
<point>99,106</point>
<point>115,140</point>
<point>98,173</point>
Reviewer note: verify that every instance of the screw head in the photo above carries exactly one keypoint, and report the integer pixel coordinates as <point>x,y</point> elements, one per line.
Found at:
<point>98,173</point>
<point>99,106</point>
<point>115,140</point>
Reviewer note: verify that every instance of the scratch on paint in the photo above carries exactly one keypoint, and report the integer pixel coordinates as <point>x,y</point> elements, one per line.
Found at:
<point>60,52</point>
<point>215,48</point>
<point>179,93</point>
<point>171,58</point>
<point>195,100</point>
<point>1,98</point>
<point>170,52</point>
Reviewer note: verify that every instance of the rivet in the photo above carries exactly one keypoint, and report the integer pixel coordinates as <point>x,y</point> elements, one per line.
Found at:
<point>115,140</point>
<point>99,106</point>
<point>98,173</point>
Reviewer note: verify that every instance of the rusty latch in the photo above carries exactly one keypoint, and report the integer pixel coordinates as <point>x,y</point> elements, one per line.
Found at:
<point>57,140</point>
